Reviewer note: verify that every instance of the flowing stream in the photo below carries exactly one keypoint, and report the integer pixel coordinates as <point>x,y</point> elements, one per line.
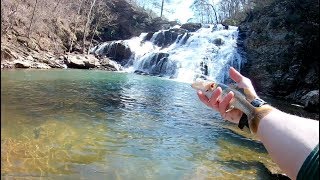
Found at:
<point>80,124</point>
<point>178,54</point>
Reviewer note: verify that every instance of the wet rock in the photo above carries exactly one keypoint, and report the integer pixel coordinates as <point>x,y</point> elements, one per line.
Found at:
<point>115,50</point>
<point>159,65</point>
<point>225,26</point>
<point>141,72</point>
<point>311,101</point>
<point>218,42</point>
<point>41,66</point>
<point>191,27</point>
<point>148,36</point>
<point>168,37</point>
<point>109,65</point>
<point>21,64</point>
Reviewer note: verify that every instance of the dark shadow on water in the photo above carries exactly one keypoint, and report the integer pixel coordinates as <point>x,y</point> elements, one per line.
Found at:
<point>262,170</point>
<point>238,139</point>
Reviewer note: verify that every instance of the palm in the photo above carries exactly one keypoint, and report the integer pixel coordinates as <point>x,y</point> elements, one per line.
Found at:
<point>221,104</point>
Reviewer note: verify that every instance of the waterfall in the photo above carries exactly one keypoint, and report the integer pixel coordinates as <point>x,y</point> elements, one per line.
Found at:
<point>179,54</point>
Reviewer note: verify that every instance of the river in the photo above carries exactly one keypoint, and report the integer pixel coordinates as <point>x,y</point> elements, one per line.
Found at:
<point>80,124</point>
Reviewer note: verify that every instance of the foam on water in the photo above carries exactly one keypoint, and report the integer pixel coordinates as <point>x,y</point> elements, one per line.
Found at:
<point>208,52</point>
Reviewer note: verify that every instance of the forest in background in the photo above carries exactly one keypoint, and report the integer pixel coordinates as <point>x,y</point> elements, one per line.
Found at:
<point>280,38</point>
<point>75,25</point>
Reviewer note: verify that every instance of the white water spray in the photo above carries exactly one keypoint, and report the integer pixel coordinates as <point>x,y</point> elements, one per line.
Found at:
<point>208,52</point>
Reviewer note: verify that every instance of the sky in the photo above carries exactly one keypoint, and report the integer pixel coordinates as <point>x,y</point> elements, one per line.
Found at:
<point>180,8</point>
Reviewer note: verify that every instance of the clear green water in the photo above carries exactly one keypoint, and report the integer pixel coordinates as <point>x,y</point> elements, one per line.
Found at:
<point>78,124</point>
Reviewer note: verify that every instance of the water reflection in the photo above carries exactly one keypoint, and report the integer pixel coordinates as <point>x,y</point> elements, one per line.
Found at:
<point>103,125</point>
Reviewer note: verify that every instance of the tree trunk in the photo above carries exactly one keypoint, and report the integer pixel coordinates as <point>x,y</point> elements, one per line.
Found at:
<point>31,21</point>
<point>75,25</point>
<point>162,8</point>
<point>95,29</point>
<point>85,27</point>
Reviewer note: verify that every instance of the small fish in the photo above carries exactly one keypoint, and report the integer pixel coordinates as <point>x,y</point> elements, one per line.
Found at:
<point>239,101</point>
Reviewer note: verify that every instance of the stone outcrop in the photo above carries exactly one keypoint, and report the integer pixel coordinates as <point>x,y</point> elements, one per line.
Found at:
<point>115,50</point>
<point>191,27</point>
<point>44,60</point>
<point>168,37</point>
<point>281,47</point>
<point>311,101</point>
<point>81,61</point>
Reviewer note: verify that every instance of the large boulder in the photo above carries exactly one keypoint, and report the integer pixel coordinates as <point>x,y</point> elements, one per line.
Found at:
<point>82,61</point>
<point>115,50</point>
<point>109,65</point>
<point>191,27</point>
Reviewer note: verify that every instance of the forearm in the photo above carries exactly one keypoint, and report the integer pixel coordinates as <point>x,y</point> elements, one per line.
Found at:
<point>288,139</point>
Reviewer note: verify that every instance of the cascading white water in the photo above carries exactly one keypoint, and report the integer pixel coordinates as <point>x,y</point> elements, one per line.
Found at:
<point>208,52</point>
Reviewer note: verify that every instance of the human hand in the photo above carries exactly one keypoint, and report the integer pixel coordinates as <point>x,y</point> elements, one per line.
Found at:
<point>221,104</point>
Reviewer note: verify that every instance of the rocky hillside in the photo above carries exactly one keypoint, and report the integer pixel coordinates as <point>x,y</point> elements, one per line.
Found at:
<point>281,45</point>
<point>38,34</point>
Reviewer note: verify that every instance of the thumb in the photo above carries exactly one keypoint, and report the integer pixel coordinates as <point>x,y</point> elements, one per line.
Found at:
<point>235,75</point>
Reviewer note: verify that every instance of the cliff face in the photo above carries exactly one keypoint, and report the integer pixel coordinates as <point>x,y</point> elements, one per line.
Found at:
<point>59,26</point>
<point>281,46</point>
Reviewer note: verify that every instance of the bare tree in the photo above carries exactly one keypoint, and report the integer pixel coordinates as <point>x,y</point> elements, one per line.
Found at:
<point>101,17</point>
<point>205,10</point>
<point>32,17</point>
<point>87,24</point>
<point>75,21</point>
<point>161,8</point>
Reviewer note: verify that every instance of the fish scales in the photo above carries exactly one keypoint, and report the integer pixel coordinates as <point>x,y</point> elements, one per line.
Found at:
<point>239,101</point>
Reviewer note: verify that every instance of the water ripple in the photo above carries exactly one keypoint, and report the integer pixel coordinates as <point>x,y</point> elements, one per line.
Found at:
<point>82,123</point>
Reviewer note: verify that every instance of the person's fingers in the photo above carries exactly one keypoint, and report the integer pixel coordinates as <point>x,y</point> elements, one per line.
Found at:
<point>215,95</point>
<point>214,100</point>
<point>235,75</point>
<point>203,98</point>
<point>242,82</point>
<point>225,103</point>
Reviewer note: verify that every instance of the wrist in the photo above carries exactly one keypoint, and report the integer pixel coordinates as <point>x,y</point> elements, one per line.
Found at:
<point>260,109</point>
<point>259,114</point>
